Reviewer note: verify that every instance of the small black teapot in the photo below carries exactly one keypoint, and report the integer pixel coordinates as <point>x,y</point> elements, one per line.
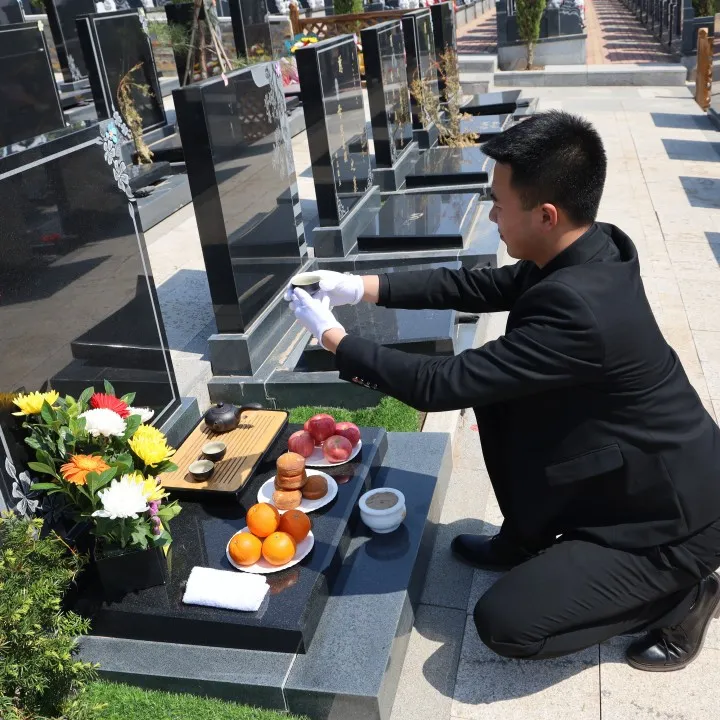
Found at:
<point>223,417</point>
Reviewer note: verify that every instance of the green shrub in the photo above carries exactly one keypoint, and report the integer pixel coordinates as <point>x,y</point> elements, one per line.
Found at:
<point>703,8</point>
<point>39,671</point>
<point>529,14</point>
<point>346,7</point>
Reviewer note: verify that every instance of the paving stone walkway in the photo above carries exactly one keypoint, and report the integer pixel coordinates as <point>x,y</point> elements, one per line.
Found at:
<point>663,189</point>
<point>479,37</point>
<point>615,35</point>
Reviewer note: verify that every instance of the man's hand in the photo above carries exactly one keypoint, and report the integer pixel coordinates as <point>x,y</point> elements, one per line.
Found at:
<point>315,315</point>
<point>338,288</point>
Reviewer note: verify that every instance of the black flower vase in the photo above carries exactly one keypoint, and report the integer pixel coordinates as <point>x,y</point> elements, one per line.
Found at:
<point>124,570</point>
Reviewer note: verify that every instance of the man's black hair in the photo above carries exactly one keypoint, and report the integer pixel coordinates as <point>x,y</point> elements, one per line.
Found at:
<point>557,158</point>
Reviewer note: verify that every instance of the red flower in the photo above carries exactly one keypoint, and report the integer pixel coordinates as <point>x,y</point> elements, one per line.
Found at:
<point>101,400</point>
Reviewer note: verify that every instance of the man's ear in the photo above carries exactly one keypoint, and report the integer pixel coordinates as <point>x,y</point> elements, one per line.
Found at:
<point>549,215</point>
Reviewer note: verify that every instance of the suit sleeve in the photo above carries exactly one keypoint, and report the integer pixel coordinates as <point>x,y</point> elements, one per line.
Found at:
<point>556,343</point>
<point>483,290</point>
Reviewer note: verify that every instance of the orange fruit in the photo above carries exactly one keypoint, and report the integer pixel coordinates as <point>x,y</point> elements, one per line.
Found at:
<point>296,524</point>
<point>245,549</point>
<point>262,519</point>
<point>278,548</point>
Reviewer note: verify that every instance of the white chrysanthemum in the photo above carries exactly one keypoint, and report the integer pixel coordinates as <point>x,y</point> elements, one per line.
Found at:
<point>146,414</point>
<point>123,498</point>
<point>101,421</point>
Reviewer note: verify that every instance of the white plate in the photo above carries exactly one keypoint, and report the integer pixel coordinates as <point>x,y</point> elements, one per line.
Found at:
<point>317,459</point>
<point>263,567</point>
<point>307,506</point>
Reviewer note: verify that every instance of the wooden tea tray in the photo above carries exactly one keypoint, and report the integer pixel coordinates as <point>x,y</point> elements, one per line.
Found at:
<point>246,446</point>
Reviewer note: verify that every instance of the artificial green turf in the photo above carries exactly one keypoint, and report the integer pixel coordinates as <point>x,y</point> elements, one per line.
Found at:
<point>110,701</point>
<point>390,414</point>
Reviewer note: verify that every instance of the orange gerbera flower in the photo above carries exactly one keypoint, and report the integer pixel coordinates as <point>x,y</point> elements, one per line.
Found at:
<point>76,471</point>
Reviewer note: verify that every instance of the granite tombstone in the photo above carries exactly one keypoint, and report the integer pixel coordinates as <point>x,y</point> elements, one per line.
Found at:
<point>444,35</point>
<point>239,160</point>
<point>61,15</point>
<point>251,29</point>
<point>421,59</point>
<point>78,301</point>
<point>446,166</point>
<point>29,100</point>
<point>112,45</point>
<point>11,12</point>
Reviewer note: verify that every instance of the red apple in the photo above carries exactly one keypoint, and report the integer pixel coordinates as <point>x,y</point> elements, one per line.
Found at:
<point>321,427</point>
<point>302,443</point>
<point>337,449</point>
<point>349,430</point>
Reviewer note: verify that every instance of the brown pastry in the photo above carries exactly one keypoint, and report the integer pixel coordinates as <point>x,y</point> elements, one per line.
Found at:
<point>286,499</point>
<point>290,472</point>
<point>315,488</point>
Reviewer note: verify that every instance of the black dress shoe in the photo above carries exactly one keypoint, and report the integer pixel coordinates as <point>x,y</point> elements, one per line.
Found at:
<point>676,647</point>
<point>488,552</point>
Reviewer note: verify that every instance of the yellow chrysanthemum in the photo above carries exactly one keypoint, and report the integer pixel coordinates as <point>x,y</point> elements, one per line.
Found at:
<point>151,489</point>
<point>77,470</point>
<point>150,445</point>
<point>31,403</point>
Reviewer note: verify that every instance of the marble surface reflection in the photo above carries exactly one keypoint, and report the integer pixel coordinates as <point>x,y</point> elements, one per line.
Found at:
<point>119,42</point>
<point>77,304</point>
<point>485,126</point>
<point>452,166</point>
<point>250,27</point>
<point>61,16</point>
<point>335,119</point>
<point>11,12</point>
<point>29,101</point>
<point>242,177</point>
<point>388,91</point>
<point>421,59</point>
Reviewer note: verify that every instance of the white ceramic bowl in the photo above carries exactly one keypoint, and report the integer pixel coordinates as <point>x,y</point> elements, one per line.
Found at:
<point>385,520</point>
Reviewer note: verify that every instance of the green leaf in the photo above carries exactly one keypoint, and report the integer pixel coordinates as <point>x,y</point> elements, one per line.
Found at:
<point>48,414</point>
<point>168,512</point>
<point>105,478</point>
<point>32,442</point>
<point>124,462</point>
<point>41,468</point>
<point>129,398</point>
<point>44,486</point>
<point>87,393</point>
<point>109,389</point>
<point>139,536</point>
<point>132,424</point>
<point>44,457</point>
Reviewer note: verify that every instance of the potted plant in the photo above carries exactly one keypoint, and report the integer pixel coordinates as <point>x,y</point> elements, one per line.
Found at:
<point>100,454</point>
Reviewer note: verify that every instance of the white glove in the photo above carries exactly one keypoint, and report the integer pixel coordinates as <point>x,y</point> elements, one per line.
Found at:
<point>313,314</point>
<point>339,288</point>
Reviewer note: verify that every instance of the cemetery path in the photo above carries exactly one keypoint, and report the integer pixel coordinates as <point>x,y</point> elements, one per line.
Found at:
<point>663,190</point>
<point>478,37</point>
<point>615,35</point>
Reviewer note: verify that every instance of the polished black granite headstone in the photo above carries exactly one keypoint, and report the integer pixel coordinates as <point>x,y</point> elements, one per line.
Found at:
<point>239,160</point>
<point>11,12</point>
<point>29,100</point>
<point>251,30</point>
<point>78,305</point>
<point>444,35</point>
<point>387,89</point>
<point>450,166</point>
<point>493,103</point>
<point>335,123</point>
<point>420,222</point>
<point>112,44</point>
<point>61,15</point>
<point>421,59</point>
<point>485,126</point>
<point>287,619</point>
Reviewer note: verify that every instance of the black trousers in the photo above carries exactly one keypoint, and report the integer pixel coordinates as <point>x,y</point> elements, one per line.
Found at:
<point>577,593</point>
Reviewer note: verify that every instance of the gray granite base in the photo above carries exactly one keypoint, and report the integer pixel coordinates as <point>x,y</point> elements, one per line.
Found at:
<point>352,668</point>
<point>339,240</point>
<point>390,179</point>
<point>565,50</point>
<point>164,199</point>
<point>427,138</point>
<point>714,117</point>
<point>182,422</point>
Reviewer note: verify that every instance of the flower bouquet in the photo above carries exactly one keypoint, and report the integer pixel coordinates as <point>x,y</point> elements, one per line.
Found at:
<point>300,41</point>
<point>99,453</point>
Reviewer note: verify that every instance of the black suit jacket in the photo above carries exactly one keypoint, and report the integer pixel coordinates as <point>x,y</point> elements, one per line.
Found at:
<point>589,425</point>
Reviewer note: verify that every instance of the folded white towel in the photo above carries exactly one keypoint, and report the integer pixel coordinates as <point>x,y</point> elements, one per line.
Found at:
<point>225,589</point>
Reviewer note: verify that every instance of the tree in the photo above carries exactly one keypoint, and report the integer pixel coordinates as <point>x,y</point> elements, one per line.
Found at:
<point>529,14</point>
<point>345,7</point>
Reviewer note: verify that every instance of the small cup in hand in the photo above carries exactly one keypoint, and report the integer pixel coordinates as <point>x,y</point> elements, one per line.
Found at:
<point>309,282</point>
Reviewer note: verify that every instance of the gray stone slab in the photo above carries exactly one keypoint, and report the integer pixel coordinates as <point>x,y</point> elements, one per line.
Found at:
<point>428,675</point>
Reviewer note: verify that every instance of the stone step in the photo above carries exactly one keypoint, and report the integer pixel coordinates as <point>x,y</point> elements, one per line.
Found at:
<point>598,75</point>
<point>478,63</point>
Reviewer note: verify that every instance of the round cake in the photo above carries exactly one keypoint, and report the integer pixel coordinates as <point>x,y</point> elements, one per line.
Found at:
<point>315,488</point>
<point>290,472</point>
<point>287,499</point>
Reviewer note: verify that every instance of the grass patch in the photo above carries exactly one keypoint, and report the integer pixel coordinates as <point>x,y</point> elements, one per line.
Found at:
<point>390,414</point>
<point>111,701</point>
